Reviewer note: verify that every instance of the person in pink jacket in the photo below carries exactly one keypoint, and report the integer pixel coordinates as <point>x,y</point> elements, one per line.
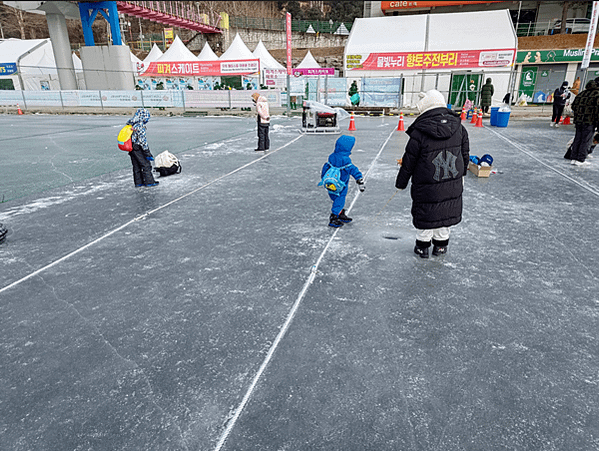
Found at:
<point>263,121</point>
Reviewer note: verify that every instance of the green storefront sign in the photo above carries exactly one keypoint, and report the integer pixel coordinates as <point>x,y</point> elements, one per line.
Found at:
<point>528,81</point>
<point>553,56</point>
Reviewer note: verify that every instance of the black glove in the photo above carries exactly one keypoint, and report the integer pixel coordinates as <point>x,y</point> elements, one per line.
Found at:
<point>361,185</point>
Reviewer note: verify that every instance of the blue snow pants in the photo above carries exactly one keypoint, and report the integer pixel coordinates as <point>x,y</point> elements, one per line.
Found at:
<point>338,201</point>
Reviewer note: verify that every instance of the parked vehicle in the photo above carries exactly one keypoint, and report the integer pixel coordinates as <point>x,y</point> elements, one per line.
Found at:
<point>573,25</point>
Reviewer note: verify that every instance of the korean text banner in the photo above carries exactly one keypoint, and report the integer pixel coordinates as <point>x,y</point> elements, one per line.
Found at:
<point>314,71</point>
<point>202,68</point>
<point>432,60</point>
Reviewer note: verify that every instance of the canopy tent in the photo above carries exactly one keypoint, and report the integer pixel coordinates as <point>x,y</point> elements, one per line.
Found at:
<point>308,62</point>
<point>392,46</point>
<point>237,51</point>
<point>28,64</point>
<point>342,30</point>
<point>43,74</point>
<point>266,59</point>
<point>207,54</point>
<point>179,62</point>
<point>136,63</point>
<point>154,54</point>
<point>177,52</point>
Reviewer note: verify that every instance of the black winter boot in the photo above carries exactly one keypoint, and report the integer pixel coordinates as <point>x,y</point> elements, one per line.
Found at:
<point>421,248</point>
<point>440,247</point>
<point>343,217</point>
<point>334,221</point>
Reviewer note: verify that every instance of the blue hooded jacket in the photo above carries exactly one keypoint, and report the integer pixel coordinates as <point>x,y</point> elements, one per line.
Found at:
<point>341,157</point>
<point>138,124</point>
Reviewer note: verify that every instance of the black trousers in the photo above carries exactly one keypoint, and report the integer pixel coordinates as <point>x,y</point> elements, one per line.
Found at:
<point>263,139</point>
<point>557,113</point>
<point>485,108</point>
<point>142,169</point>
<point>582,141</point>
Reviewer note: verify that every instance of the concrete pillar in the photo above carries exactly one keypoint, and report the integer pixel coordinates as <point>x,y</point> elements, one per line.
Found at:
<point>57,27</point>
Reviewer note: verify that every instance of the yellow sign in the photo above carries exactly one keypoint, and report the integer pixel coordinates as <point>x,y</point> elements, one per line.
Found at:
<point>224,21</point>
<point>168,34</point>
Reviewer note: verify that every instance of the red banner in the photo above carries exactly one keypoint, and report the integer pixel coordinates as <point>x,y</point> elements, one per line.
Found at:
<point>432,60</point>
<point>202,68</point>
<point>288,23</point>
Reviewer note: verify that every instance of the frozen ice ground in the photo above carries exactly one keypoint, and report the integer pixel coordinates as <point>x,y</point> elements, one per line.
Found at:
<point>153,319</point>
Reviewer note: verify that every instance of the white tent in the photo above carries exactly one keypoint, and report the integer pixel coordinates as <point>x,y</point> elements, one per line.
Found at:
<point>342,30</point>
<point>266,59</point>
<point>237,51</point>
<point>308,62</point>
<point>29,64</point>
<point>154,54</point>
<point>207,54</point>
<point>177,52</point>
<point>135,62</point>
<point>391,46</point>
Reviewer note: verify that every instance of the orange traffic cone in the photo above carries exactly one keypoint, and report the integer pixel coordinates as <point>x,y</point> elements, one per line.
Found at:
<point>474,116</point>
<point>352,124</point>
<point>400,126</point>
<point>566,120</point>
<point>479,122</point>
<point>19,112</point>
<point>463,115</point>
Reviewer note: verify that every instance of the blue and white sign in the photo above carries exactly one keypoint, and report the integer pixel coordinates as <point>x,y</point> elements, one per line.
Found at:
<point>8,68</point>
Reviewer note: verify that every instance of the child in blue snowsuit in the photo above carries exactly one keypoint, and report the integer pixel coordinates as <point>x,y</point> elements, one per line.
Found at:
<point>340,157</point>
<point>141,155</point>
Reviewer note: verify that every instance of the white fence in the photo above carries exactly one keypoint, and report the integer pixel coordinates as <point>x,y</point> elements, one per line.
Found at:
<point>135,99</point>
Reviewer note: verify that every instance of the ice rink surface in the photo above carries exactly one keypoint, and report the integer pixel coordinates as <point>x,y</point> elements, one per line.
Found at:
<point>219,311</point>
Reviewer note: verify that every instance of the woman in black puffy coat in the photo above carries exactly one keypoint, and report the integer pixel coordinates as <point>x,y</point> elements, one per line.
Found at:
<point>436,159</point>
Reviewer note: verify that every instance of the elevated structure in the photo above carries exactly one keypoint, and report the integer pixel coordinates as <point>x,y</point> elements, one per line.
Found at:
<point>175,14</point>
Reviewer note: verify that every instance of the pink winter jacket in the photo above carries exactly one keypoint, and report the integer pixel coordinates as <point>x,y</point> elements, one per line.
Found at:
<point>262,110</point>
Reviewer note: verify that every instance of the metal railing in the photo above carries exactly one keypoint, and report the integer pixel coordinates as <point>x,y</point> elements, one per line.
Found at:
<point>540,29</point>
<point>318,26</point>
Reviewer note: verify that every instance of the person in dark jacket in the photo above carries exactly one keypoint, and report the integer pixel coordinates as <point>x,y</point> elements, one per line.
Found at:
<point>340,158</point>
<point>436,159</point>
<point>586,116</point>
<point>486,96</point>
<point>560,95</point>
<point>141,155</point>
<point>353,94</point>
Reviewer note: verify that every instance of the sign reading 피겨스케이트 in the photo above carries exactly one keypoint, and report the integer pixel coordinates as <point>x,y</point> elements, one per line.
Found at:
<point>432,60</point>
<point>202,68</point>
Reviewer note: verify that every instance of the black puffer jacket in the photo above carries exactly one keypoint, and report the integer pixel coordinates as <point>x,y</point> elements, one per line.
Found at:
<point>586,105</point>
<point>436,159</point>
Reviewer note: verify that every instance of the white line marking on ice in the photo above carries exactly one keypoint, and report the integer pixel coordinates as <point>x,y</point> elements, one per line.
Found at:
<point>112,232</point>
<point>290,316</point>
<point>591,189</point>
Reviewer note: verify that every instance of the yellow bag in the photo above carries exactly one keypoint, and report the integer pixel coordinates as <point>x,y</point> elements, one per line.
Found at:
<point>124,138</point>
